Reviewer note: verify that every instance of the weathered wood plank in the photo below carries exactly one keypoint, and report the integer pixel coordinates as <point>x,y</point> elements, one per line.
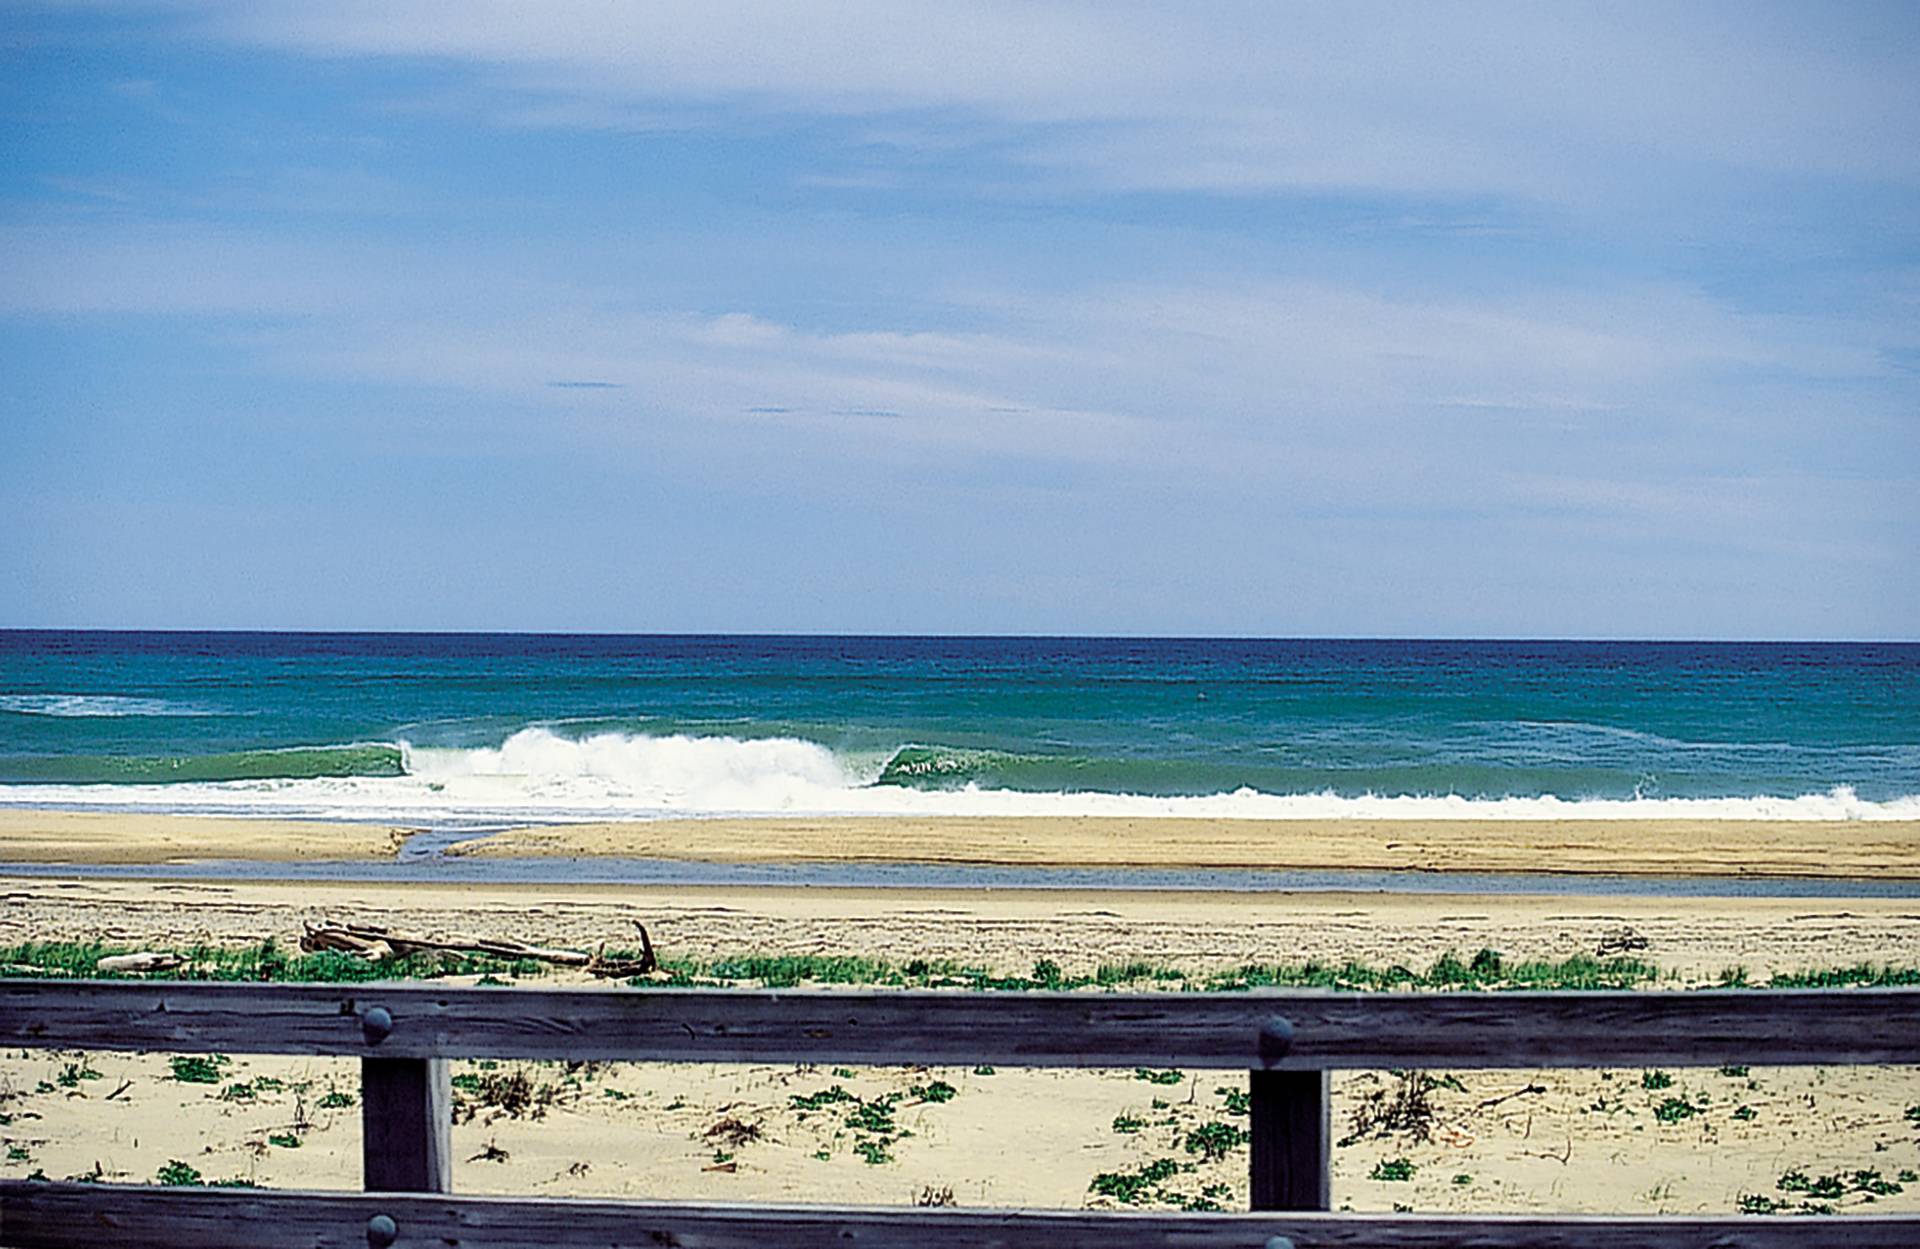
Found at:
<point>1331,1030</point>
<point>406,1118</point>
<point>73,1216</point>
<point>1288,1118</point>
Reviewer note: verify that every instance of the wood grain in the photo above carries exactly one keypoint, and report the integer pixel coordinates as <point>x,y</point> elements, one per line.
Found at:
<point>68,1216</point>
<point>1196,1030</point>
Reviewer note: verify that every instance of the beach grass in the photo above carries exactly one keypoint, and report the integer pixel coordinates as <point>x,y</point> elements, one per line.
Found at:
<point>268,962</point>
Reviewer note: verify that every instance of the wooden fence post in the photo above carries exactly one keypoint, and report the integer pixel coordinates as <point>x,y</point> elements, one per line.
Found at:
<point>1288,1113</point>
<point>406,1119</point>
<point>1290,1130</point>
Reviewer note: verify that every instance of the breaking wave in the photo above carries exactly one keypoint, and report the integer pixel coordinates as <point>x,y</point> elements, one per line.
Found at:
<point>538,774</point>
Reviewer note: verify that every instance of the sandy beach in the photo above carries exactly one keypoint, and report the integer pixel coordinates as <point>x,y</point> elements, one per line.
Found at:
<point>1865,849</point>
<point>1558,1140</point>
<point>1639,1141</point>
<point>29,835</point>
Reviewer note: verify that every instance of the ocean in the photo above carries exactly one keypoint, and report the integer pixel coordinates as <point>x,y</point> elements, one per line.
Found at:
<point>465,729</point>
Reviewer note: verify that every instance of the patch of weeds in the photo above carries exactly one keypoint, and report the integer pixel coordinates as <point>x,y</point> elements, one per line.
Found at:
<point>733,1133</point>
<point>1757,1203</point>
<point>823,1155</point>
<point>1404,1107</point>
<point>1462,1179</point>
<point>285,1140</point>
<point>177,1174</point>
<point>1127,1125</point>
<point>1907,1176</point>
<point>874,1151</point>
<point>934,1198</point>
<point>71,1074</point>
<point>18,1153</point>
<point>1860,975</point>
<point>1214,1141</point>
<point>511,1093</point>
<point>238,1181</point>
<point>1826,1187</point>
<point>1674,1109</point>
<point>825,1097</point>
<point>843,1073</point>
<point>1734,1073</point>
<point>936,1092</point>
<point>616,1094</point>
<point>198,1068</point>
<point>239,1091</point>
<point>984,1070</point>
<point>1238,1100</point>
<point>1393,1170</point>
<point>1130,1188</point>
<point>1653,1081</point>
<point>334,1099</point>
<point>1745,1113</point>
<point>1048,973</point>
<point>1158,1077</point>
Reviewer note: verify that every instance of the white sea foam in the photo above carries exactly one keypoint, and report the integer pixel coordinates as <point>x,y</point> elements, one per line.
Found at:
<point>538,775</point>
<point>77,706</point>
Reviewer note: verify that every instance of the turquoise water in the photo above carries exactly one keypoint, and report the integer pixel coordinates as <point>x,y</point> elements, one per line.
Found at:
<point>433,727</point>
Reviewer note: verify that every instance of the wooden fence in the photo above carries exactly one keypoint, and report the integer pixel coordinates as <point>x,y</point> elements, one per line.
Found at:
<point>1286,1042</point>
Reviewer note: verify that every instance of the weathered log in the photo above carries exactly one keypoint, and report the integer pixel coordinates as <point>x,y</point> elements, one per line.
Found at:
<point>376,943</point>
<point>145,960</point>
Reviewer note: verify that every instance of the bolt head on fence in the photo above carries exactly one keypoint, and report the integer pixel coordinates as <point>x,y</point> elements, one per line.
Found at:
<point>376,1024</point>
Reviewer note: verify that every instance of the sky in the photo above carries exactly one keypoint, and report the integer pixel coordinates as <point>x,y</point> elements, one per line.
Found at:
<point>1248,319</point>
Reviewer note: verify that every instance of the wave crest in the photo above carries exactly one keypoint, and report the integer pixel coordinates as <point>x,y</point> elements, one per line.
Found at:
<point>94,706</point>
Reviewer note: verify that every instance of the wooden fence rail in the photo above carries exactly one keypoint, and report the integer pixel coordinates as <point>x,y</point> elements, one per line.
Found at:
<point>1287,1042</point>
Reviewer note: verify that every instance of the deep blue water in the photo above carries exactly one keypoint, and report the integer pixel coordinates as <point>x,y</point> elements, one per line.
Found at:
<point>556,725</point>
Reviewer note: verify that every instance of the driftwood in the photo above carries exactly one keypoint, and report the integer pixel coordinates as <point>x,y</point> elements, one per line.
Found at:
<point>377,944</point>
<point>145,960</point>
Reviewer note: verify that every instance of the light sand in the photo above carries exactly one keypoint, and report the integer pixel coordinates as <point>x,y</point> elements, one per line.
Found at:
<point>1755,848</point>
<point>1586,1141</point>
<point>30,836</point>
<point>1888,850</point>
<point>1006,930</point>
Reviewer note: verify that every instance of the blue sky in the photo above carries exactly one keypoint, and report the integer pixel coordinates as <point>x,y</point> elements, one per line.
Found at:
<point>1464,320</point>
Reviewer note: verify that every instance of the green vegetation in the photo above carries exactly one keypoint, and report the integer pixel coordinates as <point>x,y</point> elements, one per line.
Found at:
<point>825,1097</point>
<point>178,1174</point>
<point>334,1099</point>
<point>1393,1170</point>
<point>1238,1102</point>
<point>1734,1073</point>
<point>1463,1179</point>
<point>1214,1141</point>
<point>71,1074</point>
<point>263,962</point>
<point>1158,1077</point>
<point>1673,1110</point>
<point>936,1092</point>
<point>1817,1195</point>
<point>1130,1188</point>
<point>198,1069</point>
<point>18,1153</point>
<point>1653,1081</point>
<point>984,1070</point>
<point>1745,1113</point>
<point>1486,970</point>
<point>1127,1125</point>
<point>285,1140</point>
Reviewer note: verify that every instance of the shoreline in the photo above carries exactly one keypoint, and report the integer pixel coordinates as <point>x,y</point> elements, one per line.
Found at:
<point>1704,849</point>
<point>1884,850</point>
